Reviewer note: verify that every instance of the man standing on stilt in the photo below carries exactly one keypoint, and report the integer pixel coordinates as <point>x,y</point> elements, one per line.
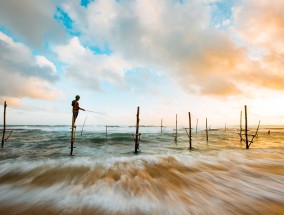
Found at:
<point>76,108</point>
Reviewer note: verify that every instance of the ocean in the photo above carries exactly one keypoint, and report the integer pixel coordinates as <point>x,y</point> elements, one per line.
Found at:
<point>38,176</point>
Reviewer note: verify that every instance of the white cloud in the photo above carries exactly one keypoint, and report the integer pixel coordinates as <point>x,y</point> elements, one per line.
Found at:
<point>90,69</point>
<point>32,21</point>
<point>44,62</point>
<point>24,75</point>
<point>176,38</point>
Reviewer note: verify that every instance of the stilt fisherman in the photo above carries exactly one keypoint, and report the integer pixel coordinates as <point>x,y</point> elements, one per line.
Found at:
<point>76,107</point>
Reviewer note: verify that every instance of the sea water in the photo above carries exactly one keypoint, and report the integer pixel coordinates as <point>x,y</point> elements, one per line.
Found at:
<point>218,176</point>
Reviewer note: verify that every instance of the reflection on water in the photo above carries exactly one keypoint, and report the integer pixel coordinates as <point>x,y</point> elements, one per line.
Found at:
<point>219,177</point>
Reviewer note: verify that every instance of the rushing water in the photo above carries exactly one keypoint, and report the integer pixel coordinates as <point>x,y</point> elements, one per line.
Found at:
<point>37,175</point>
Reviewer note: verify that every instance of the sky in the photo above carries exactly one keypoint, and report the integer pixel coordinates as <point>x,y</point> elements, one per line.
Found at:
<point>206,57</point>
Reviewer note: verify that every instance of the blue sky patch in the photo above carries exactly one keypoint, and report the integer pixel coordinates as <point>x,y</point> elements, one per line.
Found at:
<point>85,3</point>
<point>63,17</point>
<point>10,34</point>
<point>221,11</point>
<point>101,50</point>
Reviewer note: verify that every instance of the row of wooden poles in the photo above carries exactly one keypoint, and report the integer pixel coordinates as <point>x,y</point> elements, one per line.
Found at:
<point>137,136</point>
<point>189,130</point>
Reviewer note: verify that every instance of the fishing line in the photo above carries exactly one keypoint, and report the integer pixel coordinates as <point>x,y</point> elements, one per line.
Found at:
<point>83,125</point>
<point>95,112</point>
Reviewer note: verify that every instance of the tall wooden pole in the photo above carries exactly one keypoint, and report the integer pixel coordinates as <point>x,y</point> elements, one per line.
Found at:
<point>206,131</point>
<point>4,125</point>
<point>189,119</point>
<point>161,125</point>
<point>241,126</point>
<point>72,135</point>
<point>137,131</point>
<point>106,131</point>
<point>246,128</point>
<point>176,128</point>
<point>225,127</point>
<point>196,125</point>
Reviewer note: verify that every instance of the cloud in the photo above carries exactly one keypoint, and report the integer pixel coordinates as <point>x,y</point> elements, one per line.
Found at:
<point>167,36</point>
<point>89,69</point>
<point>260,25</point>
<point>31,21</point>
<point>23,74</point>
<point>177,38</point>
<point>18,58</point>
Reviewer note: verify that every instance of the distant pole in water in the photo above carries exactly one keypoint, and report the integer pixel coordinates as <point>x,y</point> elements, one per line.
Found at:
<point>241,126</point>
<point>137,135</point>
<point>176,125</point>
<point>4,125</point>
<point>196,126</point>
<point>206,131</point>
<point>246,128</point>
<point>188,130</point>
<point>161,125</point>
<point>189,118</point>
<point>175,134</point>
<point>106,131</point>
<point>246,140</point>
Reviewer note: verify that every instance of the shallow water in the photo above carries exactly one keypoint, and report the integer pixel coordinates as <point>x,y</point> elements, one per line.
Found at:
<point>104,177</point>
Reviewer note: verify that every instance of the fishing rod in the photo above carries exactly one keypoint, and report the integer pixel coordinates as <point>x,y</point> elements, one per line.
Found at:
<point>95,112</point>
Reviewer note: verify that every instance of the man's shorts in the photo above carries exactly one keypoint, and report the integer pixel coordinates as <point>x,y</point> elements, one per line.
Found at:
<point>75,114</point>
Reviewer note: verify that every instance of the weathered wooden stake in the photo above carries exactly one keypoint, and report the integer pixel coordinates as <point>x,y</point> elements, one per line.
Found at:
<point>188,130</point>
<point>176,126</point>
<point>161,125</point>
<point>72,135</point>
<point>137,135</point>
<point>175,134</point>
<point>189,118</point>
<point>196,126</point>
<point>246,140</point>
<point>206,131</point>
<point>4,125</point>
<point>241,127</point>
<point>246,128</point>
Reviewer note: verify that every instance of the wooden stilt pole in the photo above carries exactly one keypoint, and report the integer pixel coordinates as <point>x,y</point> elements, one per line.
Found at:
<point>206,131</point>
<point>189,118</point>
<point>241,126</point>
<point>161,125</point>
<point>246,128</point>
<point>72,135</point>
<point>176,126</point>
<point>196,125</point>
<point>4,125</point>
<point>137,138</point>
<point>176,134</point>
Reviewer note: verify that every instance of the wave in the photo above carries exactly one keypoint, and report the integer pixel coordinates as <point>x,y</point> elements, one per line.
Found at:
<point>229,183</point>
